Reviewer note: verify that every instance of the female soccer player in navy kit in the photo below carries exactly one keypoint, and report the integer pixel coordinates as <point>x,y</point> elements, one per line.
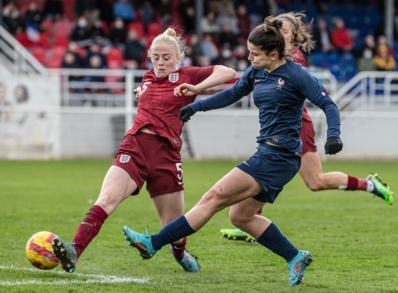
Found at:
<point>151,149</point>
<point>296,38</point>
<point>279,88</point>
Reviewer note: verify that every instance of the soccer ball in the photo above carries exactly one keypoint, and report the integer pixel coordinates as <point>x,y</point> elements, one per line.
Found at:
<point>39,250</point>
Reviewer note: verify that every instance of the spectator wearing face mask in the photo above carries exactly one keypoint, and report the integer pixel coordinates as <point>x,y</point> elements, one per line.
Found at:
<point>118,33</point>
<point>82,31</point>
<point>365,62</point>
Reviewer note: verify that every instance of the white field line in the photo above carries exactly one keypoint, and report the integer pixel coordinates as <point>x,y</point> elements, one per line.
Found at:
<point>90,278</point>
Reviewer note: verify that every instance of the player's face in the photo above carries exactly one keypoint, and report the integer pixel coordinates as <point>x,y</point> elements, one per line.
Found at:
<point>260,59</point>
<point>164,59</point>
<point>287,32</point>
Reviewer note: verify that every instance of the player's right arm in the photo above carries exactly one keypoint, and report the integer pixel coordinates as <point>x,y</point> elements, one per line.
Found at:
<point>221,74</point>
<point>241,88</point>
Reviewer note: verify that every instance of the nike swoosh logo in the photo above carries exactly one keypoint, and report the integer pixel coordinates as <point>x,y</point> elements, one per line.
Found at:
<point>180,183</point>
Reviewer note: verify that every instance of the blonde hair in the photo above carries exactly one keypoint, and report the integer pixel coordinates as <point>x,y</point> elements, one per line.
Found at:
<point>170,37</point>
<point>301,37</point>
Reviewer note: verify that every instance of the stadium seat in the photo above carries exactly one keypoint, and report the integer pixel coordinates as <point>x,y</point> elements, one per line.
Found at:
<point>61,41</point>
<point>55,57</point>
<point>138,27</point>
<point>154,29</point>
<point>333,58</point>
<point>62,27</point>
<point>40,54</point>
<point>115,56</point>
<point>319,59</point>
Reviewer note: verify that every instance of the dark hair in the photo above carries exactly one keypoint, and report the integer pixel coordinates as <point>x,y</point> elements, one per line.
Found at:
<point>268,37</point>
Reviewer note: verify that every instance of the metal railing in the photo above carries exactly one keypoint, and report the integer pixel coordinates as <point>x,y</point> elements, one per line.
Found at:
<point>16,58</point>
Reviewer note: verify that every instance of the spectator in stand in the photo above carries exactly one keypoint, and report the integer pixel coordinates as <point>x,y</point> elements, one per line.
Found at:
<point>188,15</point>
<point>53,9</point>
<point>383,59</point>
<point>34,16</point>
<point>82,32</point>
<point>98,33</point>
<point>73,48</point>
<point>71,61</point>
<point>226,57</point>
<point>84,7</point>
<point>194,43</point>
<point>341,37</point>
<point>118,33</point>
<point>227,35</point>
<point>134,51</point>
<point>209,48</point>
<point>369,43</point>
<point>95,49</point>
<point>366,62</point>
<point>105,11</point>
<point>243,20</point>
<point>241,56</point>
<point>124,9</point>
<point>209,24</point>
<point>321,36</point>
<point>382,41</point>
<point>226,18</point>
<point>147,14</point>
<point>12,18</point>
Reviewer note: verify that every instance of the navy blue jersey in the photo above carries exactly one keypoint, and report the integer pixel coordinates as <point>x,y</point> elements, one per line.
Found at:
<point>279,96</point>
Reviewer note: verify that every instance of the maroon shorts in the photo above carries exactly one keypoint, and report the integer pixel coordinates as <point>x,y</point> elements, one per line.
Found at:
<point>307,135</point>
<point>150,158</point>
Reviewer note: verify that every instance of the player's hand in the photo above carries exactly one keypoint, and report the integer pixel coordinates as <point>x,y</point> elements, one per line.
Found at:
<point>137,92</point>
<point>186,89</point>
<point>186,113</point>
<point>333,145</point>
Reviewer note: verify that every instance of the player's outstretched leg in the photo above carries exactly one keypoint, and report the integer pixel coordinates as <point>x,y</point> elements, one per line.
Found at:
<point>381,189</point>
<point>189,262</point>
<point>142,242</point>
<point>66,254</point>
<point>237,234</point>
<point>297,267</point>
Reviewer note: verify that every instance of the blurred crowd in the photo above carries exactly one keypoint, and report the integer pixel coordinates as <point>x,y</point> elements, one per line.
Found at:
<point>117,33</point>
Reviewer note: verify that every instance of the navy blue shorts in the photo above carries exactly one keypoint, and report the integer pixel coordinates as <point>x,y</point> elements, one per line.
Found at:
<point>273,168</point>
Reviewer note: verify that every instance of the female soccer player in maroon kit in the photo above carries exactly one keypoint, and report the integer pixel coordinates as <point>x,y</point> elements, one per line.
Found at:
<point>151,149</point>
<point>296,38</point>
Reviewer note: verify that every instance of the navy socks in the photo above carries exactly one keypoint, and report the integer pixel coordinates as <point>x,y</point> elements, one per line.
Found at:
<point>173,231</point>
<point>274,240</point>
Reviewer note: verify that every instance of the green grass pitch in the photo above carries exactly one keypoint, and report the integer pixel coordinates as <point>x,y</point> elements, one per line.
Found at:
<point>352,235</point>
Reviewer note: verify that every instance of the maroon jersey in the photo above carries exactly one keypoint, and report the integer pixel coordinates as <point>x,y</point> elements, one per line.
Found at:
<point>299,58</point>
<point>158,108</point>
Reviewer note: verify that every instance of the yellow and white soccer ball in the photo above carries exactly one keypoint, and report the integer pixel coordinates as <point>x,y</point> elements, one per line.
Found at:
<point>39,250</point>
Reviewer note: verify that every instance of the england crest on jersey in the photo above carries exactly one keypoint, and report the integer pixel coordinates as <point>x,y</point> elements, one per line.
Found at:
<point>124,158</point>
<point>173,77</point>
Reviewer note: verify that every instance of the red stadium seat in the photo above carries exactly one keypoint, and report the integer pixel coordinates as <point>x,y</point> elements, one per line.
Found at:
<point>55,57</point>
<point>115,56</point>
<point>138,27</point>
<point>154,29</point>
<point>61,41</point>
<point>40,54</point>
<point>62,27</point>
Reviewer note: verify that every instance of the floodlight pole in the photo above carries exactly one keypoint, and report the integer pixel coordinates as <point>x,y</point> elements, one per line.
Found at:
<point>389,21</point>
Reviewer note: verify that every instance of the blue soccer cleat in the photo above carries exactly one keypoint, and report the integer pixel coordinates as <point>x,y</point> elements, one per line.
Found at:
<point>142,242</point>
<point>297,267</point>
<point>66,254</point>
<point>188,262</point>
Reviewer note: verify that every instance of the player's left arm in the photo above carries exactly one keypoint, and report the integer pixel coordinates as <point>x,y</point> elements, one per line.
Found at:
<point>221,74</point>
<point>319,96</point>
